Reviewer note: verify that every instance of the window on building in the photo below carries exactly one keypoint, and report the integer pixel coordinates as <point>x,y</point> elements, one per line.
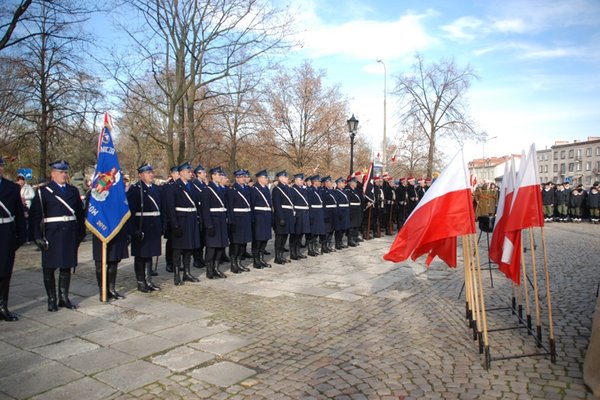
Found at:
<point>546,168</point>
<point>545,156</point>
<point>588,152</point>
<point>562,154</point>
<point>571,167</point>
<point>563,168</point>
<point>588,180</point>
<point>556,155</point>
<point>578,166</point>
<point>555,168</point>
<point>598,151</point>
<point>588,166</point>
<point>579,153</point>
<point>598,166</point>
<point>571,153</point>
<point>555,179</point>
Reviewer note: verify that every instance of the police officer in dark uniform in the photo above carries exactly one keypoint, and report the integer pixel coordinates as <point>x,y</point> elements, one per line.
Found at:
<point>13,231</point>
<point>378,214</point>
<point>147,223</point>
<point>239,220</point>
<point>317,222</point>
<point>183,217</point>
<point>342,220</point>
<point>57,220</point>
<point>329,215</point>
<point>173,176</point>
<point>402,202</point>
<point>413,198</point>
<point>284,215</point>
<point>262,218</point>
<point>214,215</point>
<point>356,201</point>
<point>199,184</point>
<point>299,197</point>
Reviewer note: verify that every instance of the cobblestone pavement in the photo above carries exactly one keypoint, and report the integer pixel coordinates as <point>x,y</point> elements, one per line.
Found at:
<point>345,326</point>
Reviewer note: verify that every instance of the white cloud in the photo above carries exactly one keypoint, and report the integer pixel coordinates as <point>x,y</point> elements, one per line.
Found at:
<point>464,28</point>
<point>363,38</point>
<point>526,50</point>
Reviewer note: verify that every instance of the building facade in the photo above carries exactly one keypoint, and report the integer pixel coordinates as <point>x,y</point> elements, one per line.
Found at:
<point>577,162</point>
<point>490,168</point>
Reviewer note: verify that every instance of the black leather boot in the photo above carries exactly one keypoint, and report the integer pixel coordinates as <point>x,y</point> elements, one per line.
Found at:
<point>256,261</point>
<point>299,248</point>
<point>294,246</point>
<point>241,255</point>
<point>219,256</point>
<point>233,254</point>
<point>148,275</point>
<point>138,267</point>
<point>187,261</point>
<point>177,281</point>
<point>4,313</point>
<point>312,251</point>
<point>64,282</point>
<point>210,269</point>
<point>261,255</point>
<point>112,281</point>
<point>50,285</point>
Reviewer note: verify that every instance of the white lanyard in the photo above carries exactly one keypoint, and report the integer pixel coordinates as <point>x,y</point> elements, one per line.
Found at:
<point>243,197</point>
<point>263,196</point>
<point>217,196</point>
<point>339,190</point>
<point>6,209</point>
<point>62,201</point>
<point>286,196</point>
<point>297,191</point>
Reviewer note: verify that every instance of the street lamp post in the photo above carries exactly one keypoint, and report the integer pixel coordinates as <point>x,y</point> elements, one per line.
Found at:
<point>352,126</point>
<point>384,113</point>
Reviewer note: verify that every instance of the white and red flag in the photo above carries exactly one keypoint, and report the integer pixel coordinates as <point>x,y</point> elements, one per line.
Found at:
<point>445,212</point>
<point>525,212</point>
<point>507,189</point>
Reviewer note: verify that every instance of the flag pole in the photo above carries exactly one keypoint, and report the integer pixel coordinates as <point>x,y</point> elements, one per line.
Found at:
<point>478,304</point>
<point>369,222</point>
<point>486,343</point>
<point>538,321</point>
<point>103,271</point>
<point>469,262</point>
<point>549,301</point>
<point>468,292</point>
<point>525,290</point>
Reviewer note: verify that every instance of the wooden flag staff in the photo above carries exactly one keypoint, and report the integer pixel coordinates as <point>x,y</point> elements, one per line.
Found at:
<point>538,320</point>
<point>103,272</point>
<point>552,343</point>
<point>524,287</point>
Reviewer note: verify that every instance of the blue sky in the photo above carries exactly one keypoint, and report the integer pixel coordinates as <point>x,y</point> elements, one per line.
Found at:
<point>537,61</point>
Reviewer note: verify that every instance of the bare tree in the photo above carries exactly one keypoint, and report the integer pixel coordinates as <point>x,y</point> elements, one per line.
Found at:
<point>186,46</point>
<point>433,96</point>
<point>303,117</point>
<point>10,16</point>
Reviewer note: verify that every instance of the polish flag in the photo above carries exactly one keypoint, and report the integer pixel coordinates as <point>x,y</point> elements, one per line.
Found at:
<point>525,212</point>
<point>444,212</point>
<point>507,189</point>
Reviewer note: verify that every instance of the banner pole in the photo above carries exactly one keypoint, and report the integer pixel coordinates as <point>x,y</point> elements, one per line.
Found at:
<point>548,301</point>
<point>103,272</point>
<point>538,321</point>
<point>468,293</point>
<point>525,289</point>
<point>486,343</point>
<point>476,291</point>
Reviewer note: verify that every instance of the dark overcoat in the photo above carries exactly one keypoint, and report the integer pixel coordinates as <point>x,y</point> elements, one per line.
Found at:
<point>214,216</point>
<point>330,211</point>
<point>239,213</point>
<point>183,213</point>
<point>63,236</point>
<point>13,229</point>
<point>150,220</point>
<point>317,222</point>
<point>299,197</point>
<point>355,198</point>
<point>342,220</point>
<point>262,212</point>
<point>283,207</point>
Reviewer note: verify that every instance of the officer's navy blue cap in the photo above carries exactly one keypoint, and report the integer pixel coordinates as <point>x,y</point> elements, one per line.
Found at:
<point>198,168</point>
<point>262,173</point>
<point>315,178</point>
<point>241,172</point>
<point>185,165</point>
<point>281,173</point>
<point>300,176</point>
<point>247,171</point>
<point>217,170</point>
<point>145,167</point>
<point>173,169</point>
<point>1,161</point>
<point>353,179</point>
<point>325,179</point>
<point>340,179</point>
<point>61,165</point>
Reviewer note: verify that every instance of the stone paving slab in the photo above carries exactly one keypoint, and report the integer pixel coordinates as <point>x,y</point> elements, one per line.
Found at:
<point>85,388</point>
<point>131,376</point>
<point>141,348</point>
<point>37,338</point>
<point>65,348</point>
<point>21,360</point>
<point>185,333</point>
<point>97,360</point>
<point>111,333</point>
<point>221,344</point>
<point>222,374</point>
<point>38,379</point>
<point>182,358</point>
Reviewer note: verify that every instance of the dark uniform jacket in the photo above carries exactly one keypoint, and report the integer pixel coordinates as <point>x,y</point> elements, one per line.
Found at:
<point>283,208</point>
<point>240,214</point>
<point>62,211</point>
<point>152,221</point>
<point>355,198</point>
<point>548,197</point>
<point>164,194</point>
<point>262,212</point>
<point>13,229</point>
<point>342,220</point>
<point>214,216</point>
<point>183,215</point>
<point>317,222</point>
<point>561,197</point>
<point>593,200</point>
<point>577,198</point>
<point>299,197</point>
<point>330,204</point>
